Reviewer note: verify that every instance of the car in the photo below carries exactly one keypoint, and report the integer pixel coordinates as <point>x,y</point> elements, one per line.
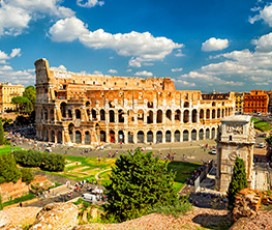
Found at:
<point>261,145</point>
<point>213,152</point>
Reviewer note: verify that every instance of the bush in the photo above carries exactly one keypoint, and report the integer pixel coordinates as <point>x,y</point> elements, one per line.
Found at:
<point>8,169</point>
<point>27,175</point>
<point>53,162</point>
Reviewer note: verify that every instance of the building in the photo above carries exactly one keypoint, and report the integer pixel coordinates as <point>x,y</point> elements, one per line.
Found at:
<point>7,92</point>
<point>236,138</point>
<point>78,109</point>
<point>239,103</point>
<point>256,101</point>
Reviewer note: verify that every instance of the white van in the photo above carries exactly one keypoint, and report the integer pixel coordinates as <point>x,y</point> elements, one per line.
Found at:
<point>89,197</point>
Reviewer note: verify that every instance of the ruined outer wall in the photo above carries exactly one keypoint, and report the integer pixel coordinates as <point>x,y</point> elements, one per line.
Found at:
<point>73,108</point>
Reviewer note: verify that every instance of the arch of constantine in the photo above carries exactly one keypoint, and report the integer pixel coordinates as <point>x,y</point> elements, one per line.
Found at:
<point>75,108</point>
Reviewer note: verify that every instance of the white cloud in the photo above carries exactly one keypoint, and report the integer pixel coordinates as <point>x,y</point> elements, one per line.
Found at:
<point>144,74</point>
<point>264,43</point>
<point>15,53</point>
<point>59,68</point>
<point>264,14</point>
<point>184,83</point>
<point>97,72</point>
<point>179,53</point>
<point>214,44</point>
<point>15,15</point>
<point>141,47</point>
<point>174,70</point>
<point>89,3</point>
<point>112,71</point>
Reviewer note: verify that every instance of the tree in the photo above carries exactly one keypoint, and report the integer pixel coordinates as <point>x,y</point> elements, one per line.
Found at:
<point>2,138</point>
<point>27,175</point>
<point>23,104</point>
<point>1,203</point>
<point>8,169</point>
<point>139,183</point>
<point>30,93</point>
<point>238,181</point>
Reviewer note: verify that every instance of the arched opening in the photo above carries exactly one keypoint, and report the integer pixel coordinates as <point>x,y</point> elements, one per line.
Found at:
<point>130,137</point>
<point>201,114</point>
<point>169,115</point>
<point>112,136</point>
<point>52,136</point>
<point>140,137</point>
<point>112,116</point>
<point>140,115</point>
<point>94,115</point>
<point>87,140</point>
<point>186,116</point>
<point>193,135</point>
<point>223,112</point>
<point>150,136</point>
<point>78,137</point>
<point>45,135</point>
<point>121,136</point>
<point>87,104</point>
<point>102,136</point>
<point>185,135</point>
<point>177,136</point>
<point>121,118</point>
<point>159,116</point>
<point>150,104</point>
<point>63,107</point>
<point>45,115</point>
<point>59,137</point>
<point>194,116</point>
<point>208,114</point>
<point>207,134</point>
<point>130,116</point>
<point>213,104</point>
<point>70,116</point>
<point>102,115</point>
<point>186,104</point>
<point>150,117</point>
<point>213,133</point>
<point>168,136</point>
<point>71,132</point>
<point>201,134</point>
<point>177,115</point>
<point>159,137</point>
<point>213,113</point>
<point>218,113</point>
<point>78,114</point>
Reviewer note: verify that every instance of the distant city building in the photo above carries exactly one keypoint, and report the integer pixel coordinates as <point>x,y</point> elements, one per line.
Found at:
<point>269,93</point>
<point>79,109</point>
<point>7,92</point>
<point>256,101</point>
<point>239,103</point>
<point>236,138</point>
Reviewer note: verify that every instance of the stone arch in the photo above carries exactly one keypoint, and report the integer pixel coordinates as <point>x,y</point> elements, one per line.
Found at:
<point>112,136</point>
<point>102,136</point>
<point>201,114</point>
<point>194,116</point>
<point>102,115</point>
<point>63,108</point>
<point>159,137</point>
<point>168,136</point>
<point>177,115</point>
<point>78,137</point>
<point>52,136</point>
<point>150,117</point>
<point>130,114</point>
<point>159,116</point>
<point>70,115</point>
<point>201,134</point>
<point>112,116</point>
<point>52,116</point>
<point>45,135</point>
<point>150,136</point>
<point>186,104</point>
<point>168,115</point>
<point>185,135</point>
<point>94,115</point>
<point>223,113</point>
<point>71,132</point>
<point>218,113</point>
<point>186,116</point>
<point>88,103</point>
<point>213,113</point>
<point>213,133</point>
<point>140,137</point>
<point>78,114</point>
<point>208,114</point>
<point>87,140</point>
<point>130,137</point>
<point>213,103</point>
<point>150,104</point>
<point>193,135</point>
<point>121,136</point>
<point>59,137</point>
<point>121,118</point>
<point>208,134</point>
<point>140,115</point>
<point>177,136</point>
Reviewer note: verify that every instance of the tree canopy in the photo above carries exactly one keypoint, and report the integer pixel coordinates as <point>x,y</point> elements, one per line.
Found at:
<point>238,181</point>
<point>2,139</point>
<point>139,184</point>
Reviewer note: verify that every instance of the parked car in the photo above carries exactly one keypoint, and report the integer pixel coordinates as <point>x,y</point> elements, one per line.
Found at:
<point>89,197</point>
<point>261,145</point>
<point>213,152</point>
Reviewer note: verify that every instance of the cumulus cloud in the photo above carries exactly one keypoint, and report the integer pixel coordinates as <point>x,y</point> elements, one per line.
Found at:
<point>112,71</point>
<point>174,70</point>
<point>144,73</point>
<point>214,44</point>
<point>16,52</point>
<point>89,3</point>
<point>264,14</point>
<point>141,47</point>
<point>23,11</point>
<point>264,43</point>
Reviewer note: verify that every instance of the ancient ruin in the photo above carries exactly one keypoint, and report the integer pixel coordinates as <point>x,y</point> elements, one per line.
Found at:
<point>90,109</point>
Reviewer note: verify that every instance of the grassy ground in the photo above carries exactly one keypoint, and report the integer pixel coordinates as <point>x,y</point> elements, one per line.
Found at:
<point>261,125</point>
<point>8,149</point>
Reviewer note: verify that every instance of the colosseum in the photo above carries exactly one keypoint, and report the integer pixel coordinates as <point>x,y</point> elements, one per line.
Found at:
<point>91,110</point>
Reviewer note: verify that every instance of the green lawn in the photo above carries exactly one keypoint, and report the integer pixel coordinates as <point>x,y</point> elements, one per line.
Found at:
<point>8,149</point>
<point>261,125</point>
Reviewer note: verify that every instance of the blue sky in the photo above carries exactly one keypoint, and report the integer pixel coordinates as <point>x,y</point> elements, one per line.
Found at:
<point>221,45</point>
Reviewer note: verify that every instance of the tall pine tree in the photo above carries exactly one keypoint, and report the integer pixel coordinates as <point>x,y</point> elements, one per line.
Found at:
<point>139,183</point>
<point>238,181</point>
<point>2,139</point>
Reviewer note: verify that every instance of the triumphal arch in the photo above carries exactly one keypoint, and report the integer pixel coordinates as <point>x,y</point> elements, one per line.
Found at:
<point>88,109</point>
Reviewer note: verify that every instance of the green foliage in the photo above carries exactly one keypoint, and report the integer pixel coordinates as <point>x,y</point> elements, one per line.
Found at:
<point>30,94</point>
<point>269,140</point>
<point>8,169</point>
<point>23,104</point>
<point>2,139</point>
<point>139,183</point>
<point>1,203</point>
<point>261,125</point>
<point>27,175</point>
<point>238,181</point>
<point>46,161</point>
<point>17,200</point>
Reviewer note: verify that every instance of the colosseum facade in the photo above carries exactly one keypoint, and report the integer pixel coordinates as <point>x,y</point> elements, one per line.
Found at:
<point>78,109</point>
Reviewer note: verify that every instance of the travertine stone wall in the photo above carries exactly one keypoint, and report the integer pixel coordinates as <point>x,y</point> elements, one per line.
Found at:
<point>74,108</point>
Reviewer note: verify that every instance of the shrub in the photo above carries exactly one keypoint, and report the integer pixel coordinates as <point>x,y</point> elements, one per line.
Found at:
<point>27,175</point>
